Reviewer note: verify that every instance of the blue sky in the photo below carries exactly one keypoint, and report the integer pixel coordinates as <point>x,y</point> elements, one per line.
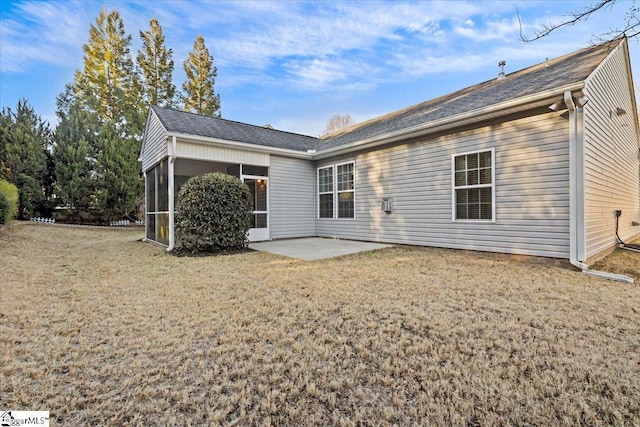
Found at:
<point>295,64</point>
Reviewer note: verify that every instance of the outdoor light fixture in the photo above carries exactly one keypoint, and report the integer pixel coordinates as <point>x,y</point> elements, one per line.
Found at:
<point>556,105</point>
<point>582,101</point>
<point>618,112</point>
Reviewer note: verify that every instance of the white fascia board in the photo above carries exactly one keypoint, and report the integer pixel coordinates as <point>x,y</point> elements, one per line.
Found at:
<point>451,122</point>
<point>242,145</point>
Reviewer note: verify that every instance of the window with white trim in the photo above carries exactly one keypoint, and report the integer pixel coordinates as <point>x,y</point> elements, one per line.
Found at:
<point>336,191</point>
<point>474,186</point>
<point>325,192</point>
<point>345,190</point>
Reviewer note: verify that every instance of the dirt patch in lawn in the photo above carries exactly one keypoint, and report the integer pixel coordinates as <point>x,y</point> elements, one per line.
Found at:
<point>102,329</point>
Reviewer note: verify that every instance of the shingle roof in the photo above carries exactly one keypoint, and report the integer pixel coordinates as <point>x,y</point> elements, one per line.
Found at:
<point>214,127</point>
<point>572,68</point>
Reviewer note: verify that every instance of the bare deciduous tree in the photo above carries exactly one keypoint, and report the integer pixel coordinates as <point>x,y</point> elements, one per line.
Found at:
<point>630,29</point>
<point>337,122</point>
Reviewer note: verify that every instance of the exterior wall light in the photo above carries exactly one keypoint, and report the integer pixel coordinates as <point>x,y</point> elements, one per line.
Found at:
<point>618,112</point>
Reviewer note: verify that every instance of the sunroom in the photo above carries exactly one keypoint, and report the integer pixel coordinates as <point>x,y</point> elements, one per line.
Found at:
<point>164,180</point>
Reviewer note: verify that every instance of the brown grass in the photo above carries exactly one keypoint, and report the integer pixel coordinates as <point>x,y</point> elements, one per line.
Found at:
<point>102,329</point>
<point>622,261</point>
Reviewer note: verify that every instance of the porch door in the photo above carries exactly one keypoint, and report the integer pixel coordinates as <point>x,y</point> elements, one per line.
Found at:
<point>258,186</point>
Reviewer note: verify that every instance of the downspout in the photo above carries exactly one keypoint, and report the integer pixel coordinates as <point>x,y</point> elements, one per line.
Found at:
<point>577,233</point>
<point>573,182</point>
<point>172,160</point>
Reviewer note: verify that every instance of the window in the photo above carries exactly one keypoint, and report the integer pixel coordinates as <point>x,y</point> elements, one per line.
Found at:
<point>336,191</point>
<point>325,192</point>
<point>344,175</point>
<point>474,186</point>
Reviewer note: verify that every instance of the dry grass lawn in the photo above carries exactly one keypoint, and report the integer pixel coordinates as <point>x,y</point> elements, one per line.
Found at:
<point>102,329</point>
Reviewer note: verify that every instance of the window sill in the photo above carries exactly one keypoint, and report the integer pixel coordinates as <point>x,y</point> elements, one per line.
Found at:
<point>475,221</point>
<point>335,219</point>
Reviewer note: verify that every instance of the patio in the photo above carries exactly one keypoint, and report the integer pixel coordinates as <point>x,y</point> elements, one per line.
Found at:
<point>315,248</point>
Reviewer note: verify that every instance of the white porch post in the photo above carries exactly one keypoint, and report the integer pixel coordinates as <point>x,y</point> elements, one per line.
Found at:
<point>146,208</point>
<point>172,229</point>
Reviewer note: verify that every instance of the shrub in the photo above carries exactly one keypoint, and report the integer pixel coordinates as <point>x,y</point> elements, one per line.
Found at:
<point>10,193</point>
<point>213,214</point>
<point>4,208</point>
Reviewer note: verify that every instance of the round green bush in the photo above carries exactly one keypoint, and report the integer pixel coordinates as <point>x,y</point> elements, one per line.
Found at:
<point>4,208</point>
<point>10,192</point>
<point>213,214</point>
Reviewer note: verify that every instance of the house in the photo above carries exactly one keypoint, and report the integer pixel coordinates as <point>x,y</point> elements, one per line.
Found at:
<point>534,162</point>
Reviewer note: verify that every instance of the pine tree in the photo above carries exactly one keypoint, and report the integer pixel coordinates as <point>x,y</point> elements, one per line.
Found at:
<point>108,95</point>
<point>24,142</point>
<point>74,159</point>
<point>156,67</point>
<point>108,84</point>
<point>200,96</point>
<point>118,181</point>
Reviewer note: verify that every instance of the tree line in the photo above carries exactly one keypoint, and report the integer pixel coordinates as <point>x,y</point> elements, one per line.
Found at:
<point>88,165</point>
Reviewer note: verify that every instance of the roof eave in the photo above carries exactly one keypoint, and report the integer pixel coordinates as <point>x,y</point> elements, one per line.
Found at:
<point>453,122</point>
<point>242,145</point>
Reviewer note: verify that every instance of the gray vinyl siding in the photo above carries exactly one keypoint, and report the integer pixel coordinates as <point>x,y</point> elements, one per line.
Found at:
<point>155,142</point>
<point>532,191</point>
<point>611,155</point>
<point>291,197</point>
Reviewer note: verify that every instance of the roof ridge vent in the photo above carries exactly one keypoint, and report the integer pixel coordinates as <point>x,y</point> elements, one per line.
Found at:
<point>501,75</point>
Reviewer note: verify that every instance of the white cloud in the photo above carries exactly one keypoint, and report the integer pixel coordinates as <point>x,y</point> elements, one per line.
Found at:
<point>502,29</point>
<point>51,33</point>
<point>316,44</point>
<point>419,65</point>
<point>332,51</point>
<point>317,72</point>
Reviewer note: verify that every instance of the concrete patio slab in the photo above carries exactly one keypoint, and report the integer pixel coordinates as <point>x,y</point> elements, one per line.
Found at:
<point>314,248</point>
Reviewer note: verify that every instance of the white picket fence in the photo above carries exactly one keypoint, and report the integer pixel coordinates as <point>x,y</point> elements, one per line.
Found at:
<point>43,220</point>
<point>121,223</point>
<point>125,223</point>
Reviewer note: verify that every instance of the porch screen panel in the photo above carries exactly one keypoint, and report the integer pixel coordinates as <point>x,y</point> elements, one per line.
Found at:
<point>151,190</point>
<point>163,187</point>
<point>157,197</point>
<point>162,228</point>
